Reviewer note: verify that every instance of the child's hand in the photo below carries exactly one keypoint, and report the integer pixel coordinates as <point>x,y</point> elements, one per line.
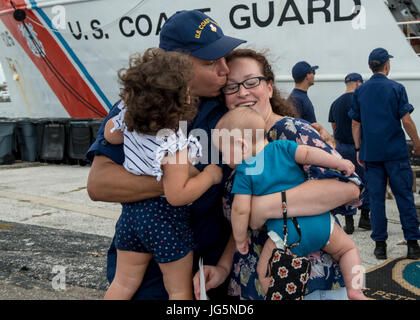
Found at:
<point>215,172</point>
<point>242,246</point>
<point>346,166</point>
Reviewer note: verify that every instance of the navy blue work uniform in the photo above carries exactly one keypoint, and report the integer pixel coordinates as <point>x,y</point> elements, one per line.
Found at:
<point>379,104</point>
<point>211,229</point>
<point>299,98</point>
<point>344,139</point>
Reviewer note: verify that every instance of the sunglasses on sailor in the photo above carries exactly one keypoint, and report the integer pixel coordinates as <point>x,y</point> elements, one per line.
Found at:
<point>232,88</point>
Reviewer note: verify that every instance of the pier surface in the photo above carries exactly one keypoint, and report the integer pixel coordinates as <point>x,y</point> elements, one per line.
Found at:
<point>54,239</point>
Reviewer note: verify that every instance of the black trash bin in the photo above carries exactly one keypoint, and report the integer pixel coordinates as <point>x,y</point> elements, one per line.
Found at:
<point>95,125</point>
<point>53,140</point>
<point>39,124</point>
<point>27,140</point>
<point>79,140</point>
<point>7,141</point>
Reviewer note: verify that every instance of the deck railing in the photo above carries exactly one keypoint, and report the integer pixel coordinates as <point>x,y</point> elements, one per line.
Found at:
<point>407,23</point>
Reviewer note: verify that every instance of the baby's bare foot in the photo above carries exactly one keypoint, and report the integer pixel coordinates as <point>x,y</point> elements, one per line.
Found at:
<point>356,295</point>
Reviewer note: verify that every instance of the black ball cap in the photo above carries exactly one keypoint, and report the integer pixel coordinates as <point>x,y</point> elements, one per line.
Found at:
<point>19,15</point>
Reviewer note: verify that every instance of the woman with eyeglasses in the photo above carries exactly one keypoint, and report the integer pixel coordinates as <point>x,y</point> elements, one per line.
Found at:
<point>250,83</point>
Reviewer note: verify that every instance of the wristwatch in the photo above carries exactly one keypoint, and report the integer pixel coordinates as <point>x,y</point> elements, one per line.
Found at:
<point>357,149</point>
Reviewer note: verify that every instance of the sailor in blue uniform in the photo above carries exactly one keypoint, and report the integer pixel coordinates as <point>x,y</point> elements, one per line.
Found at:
<point>341,125</point>
<point>304,75</point>
<point>210,227</point>
<point>379,106</point>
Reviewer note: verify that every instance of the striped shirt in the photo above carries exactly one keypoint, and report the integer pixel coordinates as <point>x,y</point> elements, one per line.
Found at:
<point>144,153</point>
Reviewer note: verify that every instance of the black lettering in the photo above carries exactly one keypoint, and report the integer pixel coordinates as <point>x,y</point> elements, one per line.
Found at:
<point>297,16</point>
<point>259,22</point>
<point>247,20</point>
<point>94,25</point>
<point>161,22</point>
<point>204,10</point>
<point>4,38</point>
<point>149,22</point>
<point>7,39</point>
<point>130,21</point>
<point>324,9</point>
<point>76,36</point>
<point>10,40</point>
<point>337,17</point>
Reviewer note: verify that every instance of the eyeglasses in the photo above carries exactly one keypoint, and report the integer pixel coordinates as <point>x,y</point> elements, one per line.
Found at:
<point>248,84</point>
<point>313,71</point>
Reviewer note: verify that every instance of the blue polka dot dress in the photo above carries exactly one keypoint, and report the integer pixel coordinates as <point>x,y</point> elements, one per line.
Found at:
<point>154,226</point>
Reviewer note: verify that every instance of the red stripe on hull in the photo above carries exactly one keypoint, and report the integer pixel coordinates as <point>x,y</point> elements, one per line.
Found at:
<point>59,60</point>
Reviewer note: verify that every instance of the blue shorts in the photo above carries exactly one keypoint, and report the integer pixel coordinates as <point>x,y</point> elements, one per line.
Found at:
<point>315,230</point>
<point>154,226</point>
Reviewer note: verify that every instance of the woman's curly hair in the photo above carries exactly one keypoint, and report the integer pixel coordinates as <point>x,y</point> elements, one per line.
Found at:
<point>156,91</point>
<point>280,106</point>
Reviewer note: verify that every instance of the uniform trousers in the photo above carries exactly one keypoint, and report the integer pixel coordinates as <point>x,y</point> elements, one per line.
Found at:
<point>401,181</point>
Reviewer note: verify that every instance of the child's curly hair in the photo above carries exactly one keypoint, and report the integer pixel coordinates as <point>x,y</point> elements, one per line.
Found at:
<point>156,91</point>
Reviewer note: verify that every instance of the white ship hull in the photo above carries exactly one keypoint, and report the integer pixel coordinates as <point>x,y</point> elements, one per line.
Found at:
<point>71,68</point>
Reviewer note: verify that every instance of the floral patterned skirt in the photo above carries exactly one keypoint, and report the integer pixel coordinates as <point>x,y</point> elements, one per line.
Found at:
<point>244,281</point>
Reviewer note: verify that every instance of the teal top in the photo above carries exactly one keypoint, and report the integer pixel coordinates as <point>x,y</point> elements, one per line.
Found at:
<point>274,170</point>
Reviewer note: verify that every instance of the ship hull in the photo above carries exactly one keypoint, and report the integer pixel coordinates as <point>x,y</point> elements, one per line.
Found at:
<point>69,68</point>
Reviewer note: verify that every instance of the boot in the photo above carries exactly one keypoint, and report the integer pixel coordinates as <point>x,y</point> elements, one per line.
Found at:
<point>364,221</point>
<point>413,250</point>
<point>349,228</point>
<point>380,250</point>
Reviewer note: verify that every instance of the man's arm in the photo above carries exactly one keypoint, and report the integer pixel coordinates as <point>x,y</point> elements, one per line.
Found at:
<point>411,129</point>
<point>357,133</point>
<point>331,118</point>
<point>356,130</point>
<point>110,182</point>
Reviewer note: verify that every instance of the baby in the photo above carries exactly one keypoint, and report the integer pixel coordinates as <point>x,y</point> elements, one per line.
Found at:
<point>264,168</point>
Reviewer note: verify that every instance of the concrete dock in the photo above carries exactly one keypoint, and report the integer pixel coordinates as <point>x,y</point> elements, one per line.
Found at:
<point>54,239</point>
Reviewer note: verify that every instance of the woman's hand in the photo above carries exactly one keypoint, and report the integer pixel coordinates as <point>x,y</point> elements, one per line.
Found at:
<point>324,134</point>
<point>346,166</point>
<point>214,277</point>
